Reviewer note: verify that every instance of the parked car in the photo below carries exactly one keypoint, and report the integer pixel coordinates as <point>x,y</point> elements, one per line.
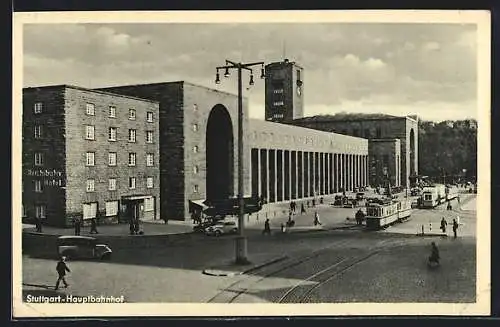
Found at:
<point>222,227</point>
<point>82,247</point>
<point>338,200</point>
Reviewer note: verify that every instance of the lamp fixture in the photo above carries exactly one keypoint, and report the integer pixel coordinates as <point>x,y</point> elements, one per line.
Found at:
<point>217,78</point>
<point>226,73</point>
<point>251,79</point>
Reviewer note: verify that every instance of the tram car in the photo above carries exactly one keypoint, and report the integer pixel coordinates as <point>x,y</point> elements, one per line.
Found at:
<point>433,196</point>
<point>383,213</point>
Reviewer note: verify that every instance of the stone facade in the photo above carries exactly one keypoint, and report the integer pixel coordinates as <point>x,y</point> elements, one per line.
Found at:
<point>184,113</point>
<point>289,162</point>
<point>385,162</point>
<point>391,127</point>
<point>81,160</point>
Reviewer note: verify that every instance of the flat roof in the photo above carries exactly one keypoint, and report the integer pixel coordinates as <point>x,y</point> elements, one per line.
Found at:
<point>171,83</point>
<point>79,88</point>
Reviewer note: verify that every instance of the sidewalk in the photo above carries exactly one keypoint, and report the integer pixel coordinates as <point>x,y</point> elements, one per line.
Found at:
<point>149,228</point>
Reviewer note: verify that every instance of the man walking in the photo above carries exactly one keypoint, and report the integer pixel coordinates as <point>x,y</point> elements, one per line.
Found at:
<point>316,219</point>
<point>267,227</point>
<point>93,226</point>
<point>455,227</point>
<point>78,224</point>
<point>61,268</point>
<point>443,225</point>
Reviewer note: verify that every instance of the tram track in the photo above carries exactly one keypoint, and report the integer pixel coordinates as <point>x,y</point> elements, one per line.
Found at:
<point>296,293</point>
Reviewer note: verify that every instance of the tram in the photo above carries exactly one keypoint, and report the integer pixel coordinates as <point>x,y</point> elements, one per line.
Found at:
<point>433,196</point>
<point>383,213</point>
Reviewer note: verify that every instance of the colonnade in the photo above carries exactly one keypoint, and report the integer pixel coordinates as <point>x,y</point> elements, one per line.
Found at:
<point>280,175</point>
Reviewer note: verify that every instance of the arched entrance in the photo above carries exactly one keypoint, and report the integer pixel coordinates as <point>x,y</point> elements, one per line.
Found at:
<point>220,154</point>
<point>412,152</point>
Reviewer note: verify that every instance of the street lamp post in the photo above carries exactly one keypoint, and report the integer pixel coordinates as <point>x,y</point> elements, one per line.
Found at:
<point>241,241</point>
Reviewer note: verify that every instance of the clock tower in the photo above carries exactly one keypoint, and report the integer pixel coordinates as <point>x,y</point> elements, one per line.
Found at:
<point>284,91</point>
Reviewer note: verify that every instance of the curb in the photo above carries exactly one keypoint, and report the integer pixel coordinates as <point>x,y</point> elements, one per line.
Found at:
<point>440,235</point>
<point>216,272</point>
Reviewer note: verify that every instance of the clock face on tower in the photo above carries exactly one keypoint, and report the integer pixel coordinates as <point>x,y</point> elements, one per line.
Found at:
<point>299,91</point>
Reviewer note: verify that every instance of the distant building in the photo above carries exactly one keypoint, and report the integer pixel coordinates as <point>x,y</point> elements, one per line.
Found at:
<point>375,126</point>
<point>385,162</point>
<point>89,154</point>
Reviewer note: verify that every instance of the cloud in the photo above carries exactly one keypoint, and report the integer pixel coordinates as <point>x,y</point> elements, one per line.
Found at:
<point>382,65</point>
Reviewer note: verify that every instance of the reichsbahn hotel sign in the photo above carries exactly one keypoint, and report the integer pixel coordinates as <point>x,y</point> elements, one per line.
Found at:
<point>51,177</point>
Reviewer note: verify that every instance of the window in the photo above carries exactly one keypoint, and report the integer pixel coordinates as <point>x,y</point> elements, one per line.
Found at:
<point>40,211</point>
<point>89,132</point>
<point>38,186</point>
<point>278,103</point>
<point>38,159</point>
<point>150,159</point>
<point>90,159</point>
<point>379,132</point>
<point>195,188</point>
<point>112,134</point>
<point>149,136</point>
<point>38,108</point>
<point>111,208</point>
<point>278,91</point>
<point>112,159</point>
<point>90,109</point>
<point>149,204</point>
<point>195,149</point>
<point>90,185</point>
<point>131,183</point>
<point>149,116</point>
<point>195,169</point>
<point>131,135</point>
<point>38,131</point>
<point>195,127</point>
<point>112,184</point>
<point>112,112</point>
<point>89,210</point>
<point>278,116</point>
<point>131,114</point>
<point>131,159</point>
<point>149,182</point>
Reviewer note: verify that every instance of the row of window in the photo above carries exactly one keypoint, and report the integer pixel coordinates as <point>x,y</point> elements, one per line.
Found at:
<point>90,111</point>
<point>112,182</point>
<point>112,161</point>
<point>90,209</point>
<point>113,132</point>
<point>278,103</point>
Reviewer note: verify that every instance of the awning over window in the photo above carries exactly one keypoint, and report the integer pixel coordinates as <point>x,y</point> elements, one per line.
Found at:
<point>136,197</point>
<point>200,204</point>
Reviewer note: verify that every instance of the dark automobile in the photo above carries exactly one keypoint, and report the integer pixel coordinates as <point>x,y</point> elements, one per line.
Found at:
<point>82,247</point>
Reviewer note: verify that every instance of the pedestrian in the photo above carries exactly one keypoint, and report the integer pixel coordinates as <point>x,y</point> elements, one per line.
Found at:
<point>93,226</point>
<point>449,206</point>
<point>302,209</point>
<point>38,224</point>
<point>458,198</point>
<point>359,217</point>
<point>61,268</point>
<point>283,228</point>
<point>308,204</point>
<point>455,227</point>
<point>136,226</point>
<point>443,225</point>
<point>316,219</point>
<point>267,227</point>
<point>132,226</point>
<point>77,222</point>
<point>434,257</point>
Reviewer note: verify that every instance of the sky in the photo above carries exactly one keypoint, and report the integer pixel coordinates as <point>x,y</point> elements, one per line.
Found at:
<point>427,69</point>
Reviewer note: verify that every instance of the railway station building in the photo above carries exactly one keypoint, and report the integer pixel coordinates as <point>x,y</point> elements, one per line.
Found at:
<point>286,156</point>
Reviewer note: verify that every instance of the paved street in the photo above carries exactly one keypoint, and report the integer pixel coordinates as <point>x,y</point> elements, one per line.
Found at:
<point>345,265</point>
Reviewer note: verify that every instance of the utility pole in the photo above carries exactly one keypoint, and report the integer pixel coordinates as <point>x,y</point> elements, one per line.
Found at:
<point>241,241</point>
